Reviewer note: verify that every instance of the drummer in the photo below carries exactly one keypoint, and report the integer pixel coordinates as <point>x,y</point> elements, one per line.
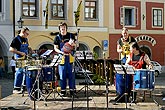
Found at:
<point>19,46</point>
<point>138,59</point>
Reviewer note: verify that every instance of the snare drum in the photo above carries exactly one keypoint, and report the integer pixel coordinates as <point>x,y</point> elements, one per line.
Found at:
<point>30,68</point>
<point>22,63</point>
<point>144,79</point>
<point>35,62</point>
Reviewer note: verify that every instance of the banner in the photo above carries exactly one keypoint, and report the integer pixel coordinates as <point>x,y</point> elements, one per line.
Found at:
<point>77,14</point>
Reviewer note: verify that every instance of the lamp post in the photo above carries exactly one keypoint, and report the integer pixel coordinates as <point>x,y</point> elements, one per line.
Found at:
<point>20,22</point>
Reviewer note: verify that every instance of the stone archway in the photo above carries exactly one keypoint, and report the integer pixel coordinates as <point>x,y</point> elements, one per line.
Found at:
<point>46,46</point>
<point>97,50</point>
<point>3,47</point>
<point>83,47</point>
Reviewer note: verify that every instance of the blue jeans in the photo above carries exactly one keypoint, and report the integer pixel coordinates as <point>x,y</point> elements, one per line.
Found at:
<point>19,78</point>
<point>64,72</point>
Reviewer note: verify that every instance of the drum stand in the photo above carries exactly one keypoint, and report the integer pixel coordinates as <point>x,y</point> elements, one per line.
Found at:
<point>39,92</point>
<point>107,81</point>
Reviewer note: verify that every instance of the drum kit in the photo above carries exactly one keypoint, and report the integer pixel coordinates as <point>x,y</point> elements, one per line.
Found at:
<point>37,75</point>
<point>127,79</point>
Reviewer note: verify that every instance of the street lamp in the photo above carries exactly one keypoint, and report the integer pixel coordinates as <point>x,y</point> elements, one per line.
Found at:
<point>20,22</point>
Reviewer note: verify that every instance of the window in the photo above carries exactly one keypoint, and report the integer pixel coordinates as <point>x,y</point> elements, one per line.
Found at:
<point>0,6</point>
<point>157,17</point>
<point>2,11</point>
<point>128,16</point>
<point>90,9</point>
<point>58,9</point>
<point>29,8</point>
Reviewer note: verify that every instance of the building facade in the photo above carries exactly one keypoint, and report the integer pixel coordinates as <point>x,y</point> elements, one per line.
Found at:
<point>145,21</point>
<point>100,24</point>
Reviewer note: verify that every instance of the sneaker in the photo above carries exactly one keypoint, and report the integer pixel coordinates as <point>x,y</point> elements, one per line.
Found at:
<point>17,92</point>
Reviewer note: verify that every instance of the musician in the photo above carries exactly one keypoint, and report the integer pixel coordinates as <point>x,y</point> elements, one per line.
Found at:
<point>139,60</point>
<point>64,44</point>
<point>19,46</point>
<point>123,47</point>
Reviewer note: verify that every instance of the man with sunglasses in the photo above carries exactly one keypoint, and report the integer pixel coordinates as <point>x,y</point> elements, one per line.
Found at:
<point>19,46</point>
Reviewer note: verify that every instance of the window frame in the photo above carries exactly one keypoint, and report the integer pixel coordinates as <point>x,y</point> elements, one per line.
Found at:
<point>96,8</point>
<point>36,4</point>
<point>157,26</point>
<point>2,13</point>
<point>64,10</point>
<point>1,6</point>
<point>123,16</point>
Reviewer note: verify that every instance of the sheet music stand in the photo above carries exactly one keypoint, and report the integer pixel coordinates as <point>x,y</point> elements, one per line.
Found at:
<point>48,52</point>
<point>124,69</point>
<point>87,81</point>
<point>56,60</point>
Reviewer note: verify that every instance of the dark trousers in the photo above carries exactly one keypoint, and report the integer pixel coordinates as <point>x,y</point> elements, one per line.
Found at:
<point>13,70</point>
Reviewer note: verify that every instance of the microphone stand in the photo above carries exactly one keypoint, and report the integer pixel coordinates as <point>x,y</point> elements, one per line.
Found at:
<point>106,77</point>
<point>74,68</point>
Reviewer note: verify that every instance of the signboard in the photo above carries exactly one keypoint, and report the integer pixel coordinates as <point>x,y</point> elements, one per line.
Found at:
<point>105,45</point>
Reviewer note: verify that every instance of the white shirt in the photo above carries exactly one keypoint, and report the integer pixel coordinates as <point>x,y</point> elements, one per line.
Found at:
<point>12,62</point>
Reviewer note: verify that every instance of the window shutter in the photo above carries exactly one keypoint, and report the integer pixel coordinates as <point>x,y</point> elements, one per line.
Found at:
<point>137,20</point>
<point>121,16</point>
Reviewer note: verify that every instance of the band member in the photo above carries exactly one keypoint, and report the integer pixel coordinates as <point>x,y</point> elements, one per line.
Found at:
<point>123,47</point>
<point>19,46</point>
<point>13,65</point>
<point>64,44</point>
<point>139,60</point>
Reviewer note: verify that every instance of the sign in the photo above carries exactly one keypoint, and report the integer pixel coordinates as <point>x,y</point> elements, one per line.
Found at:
<point>105,45</point>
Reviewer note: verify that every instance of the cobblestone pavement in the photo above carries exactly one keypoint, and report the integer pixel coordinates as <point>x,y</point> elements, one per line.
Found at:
<point>96,102</point>
<point>6,87</point>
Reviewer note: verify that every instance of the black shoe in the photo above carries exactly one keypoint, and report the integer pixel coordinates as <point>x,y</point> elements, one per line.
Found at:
<point>121,99</point>
<point>63,93</point>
